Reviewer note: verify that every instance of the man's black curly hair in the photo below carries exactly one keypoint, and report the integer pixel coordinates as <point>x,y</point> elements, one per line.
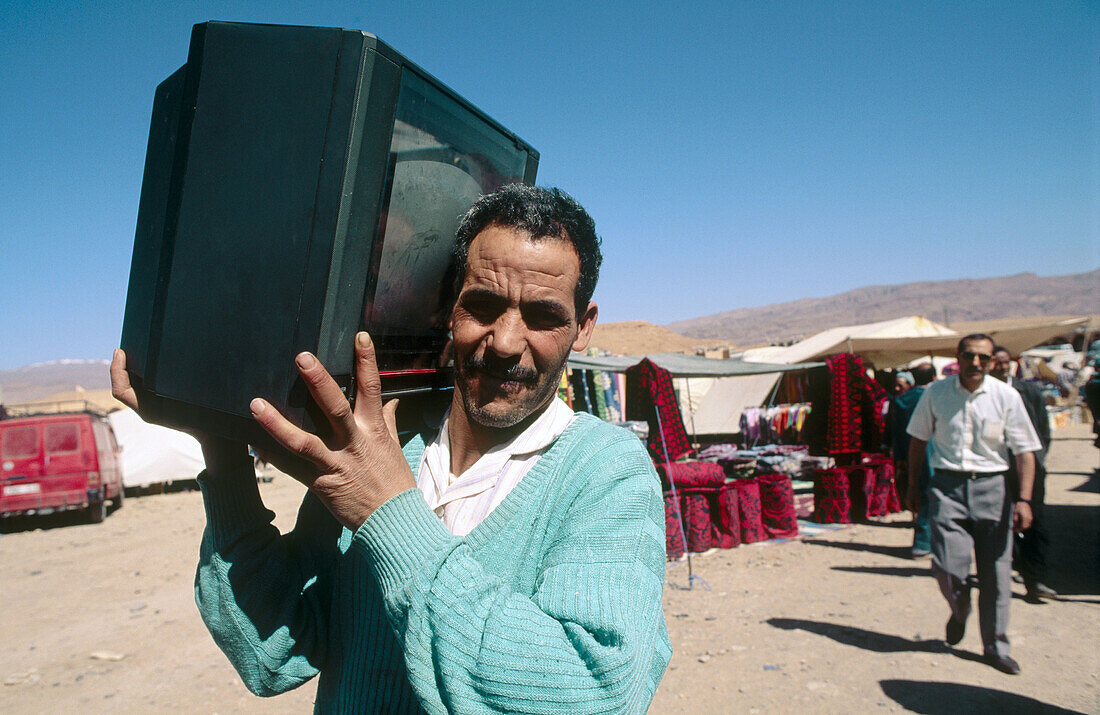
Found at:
<point>542,213</point>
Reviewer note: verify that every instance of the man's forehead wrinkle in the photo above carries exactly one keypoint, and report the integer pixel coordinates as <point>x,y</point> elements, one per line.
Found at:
<point>489,273</point>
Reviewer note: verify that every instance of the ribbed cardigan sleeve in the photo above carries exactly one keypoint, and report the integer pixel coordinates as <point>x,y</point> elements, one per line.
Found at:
<point>591,638</point>
<point>264,596</point>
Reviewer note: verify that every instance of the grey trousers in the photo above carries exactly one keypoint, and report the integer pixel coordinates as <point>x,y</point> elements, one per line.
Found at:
<point>974,515</point>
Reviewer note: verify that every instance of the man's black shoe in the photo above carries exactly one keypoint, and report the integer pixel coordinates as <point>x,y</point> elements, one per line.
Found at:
<point>1036,591</point>
<point>955,631</point>
<point>1002,663</point>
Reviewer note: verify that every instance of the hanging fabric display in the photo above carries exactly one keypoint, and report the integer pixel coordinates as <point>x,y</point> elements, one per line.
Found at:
<point>579,385</point>
<point>650,398</point>
<point>845,404</point>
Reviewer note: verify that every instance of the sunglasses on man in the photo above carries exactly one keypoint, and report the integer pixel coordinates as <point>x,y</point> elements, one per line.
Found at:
<point>969,356</point>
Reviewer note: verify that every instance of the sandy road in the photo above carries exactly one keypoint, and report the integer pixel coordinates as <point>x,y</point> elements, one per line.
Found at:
<point>101,618</point>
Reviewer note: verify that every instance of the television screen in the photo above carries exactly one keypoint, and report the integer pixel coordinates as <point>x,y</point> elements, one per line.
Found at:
<point>301,184</point>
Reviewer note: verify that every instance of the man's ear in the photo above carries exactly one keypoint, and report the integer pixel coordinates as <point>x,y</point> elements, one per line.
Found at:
<point>585,326</point>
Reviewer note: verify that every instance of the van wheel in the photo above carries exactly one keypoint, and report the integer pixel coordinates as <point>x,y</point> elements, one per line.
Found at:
<point>116,503</point>
<point>97,511</point>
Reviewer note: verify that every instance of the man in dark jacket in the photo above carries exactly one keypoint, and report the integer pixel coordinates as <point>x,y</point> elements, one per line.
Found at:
<point>1031,544</point>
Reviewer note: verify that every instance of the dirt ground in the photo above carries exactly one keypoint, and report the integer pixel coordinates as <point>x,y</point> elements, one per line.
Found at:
<point>102,617</point>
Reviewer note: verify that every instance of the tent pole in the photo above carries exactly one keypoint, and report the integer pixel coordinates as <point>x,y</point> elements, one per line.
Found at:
<point>676,501</point>
<point>691,409</point>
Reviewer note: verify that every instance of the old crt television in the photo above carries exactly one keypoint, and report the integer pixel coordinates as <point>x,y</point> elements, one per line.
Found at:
<point>301,184</point>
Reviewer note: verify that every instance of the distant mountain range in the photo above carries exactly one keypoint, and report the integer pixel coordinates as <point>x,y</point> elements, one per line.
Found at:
<point>33,382</point>
<point>1022,295</point>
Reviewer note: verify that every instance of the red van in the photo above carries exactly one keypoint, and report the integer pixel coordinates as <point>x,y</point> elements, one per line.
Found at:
<point>59,461</point>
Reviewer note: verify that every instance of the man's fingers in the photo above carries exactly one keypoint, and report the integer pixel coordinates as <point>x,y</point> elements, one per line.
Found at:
<point>368,390</point>
<point>389,413</point>
<point>295,440</point>
<point>121,388</point>
<point>301,469</point>
<point>327,394</point>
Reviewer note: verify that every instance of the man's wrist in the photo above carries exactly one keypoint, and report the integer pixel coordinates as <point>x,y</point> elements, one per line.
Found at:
<point>1024,501</point>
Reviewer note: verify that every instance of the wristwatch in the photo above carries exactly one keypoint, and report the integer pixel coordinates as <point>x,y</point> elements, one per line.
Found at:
<point>1025,501</point>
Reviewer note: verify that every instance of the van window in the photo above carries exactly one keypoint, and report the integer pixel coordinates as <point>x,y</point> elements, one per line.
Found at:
<point>20,442</point>
<point>61,439</point>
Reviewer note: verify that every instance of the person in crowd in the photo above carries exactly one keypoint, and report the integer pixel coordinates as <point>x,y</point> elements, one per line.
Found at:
<point>1031,544</point>
<point>971,422</point>
<point>1066,379</point>
<point>903,382</point>
<point>921,376</point>
<point>1092,398</point>
<point>511,560</point>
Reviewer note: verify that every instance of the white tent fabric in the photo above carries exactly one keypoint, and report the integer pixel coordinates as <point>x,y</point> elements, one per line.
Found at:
<point>152,454</point>
<point>898,342</point>
<point>714,405</point>
<point>880,338</point>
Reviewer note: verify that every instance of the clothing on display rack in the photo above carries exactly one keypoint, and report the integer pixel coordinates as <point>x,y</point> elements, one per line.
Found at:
<point>774,424</point>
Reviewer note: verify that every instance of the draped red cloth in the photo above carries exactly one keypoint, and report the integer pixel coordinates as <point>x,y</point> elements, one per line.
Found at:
<point>845,432</point>
<point>832,502</point>
<point>650,397</point>
<point>856,420</point>
<point>777,506</point>
<point>674,537</point>
<point>846,494</point>
<point>691,474</point>
<point>729,517</point>
<point>882,494</point>
<point>748,500</point>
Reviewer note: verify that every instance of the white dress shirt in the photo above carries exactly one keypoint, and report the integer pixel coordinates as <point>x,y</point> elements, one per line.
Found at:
<point>973,431</point>
<point>463,503</point>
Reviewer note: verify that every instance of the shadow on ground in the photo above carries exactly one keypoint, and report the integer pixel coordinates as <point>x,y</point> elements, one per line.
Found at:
<point>861,638</point>
<point>56,520</point>
<point>1089,486</point>
<point>906,524</point>
<point>935,698</point>
<point>902,571</point>
<point>898,552</point>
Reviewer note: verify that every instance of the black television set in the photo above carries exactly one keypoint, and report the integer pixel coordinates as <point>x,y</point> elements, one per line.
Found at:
<point>301,184</point>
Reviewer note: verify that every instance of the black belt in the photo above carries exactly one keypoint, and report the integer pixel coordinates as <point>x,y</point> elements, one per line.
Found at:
<point>969,475</point>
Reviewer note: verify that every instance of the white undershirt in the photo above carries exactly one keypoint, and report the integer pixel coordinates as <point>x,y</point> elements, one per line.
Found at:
<point>463,503</point>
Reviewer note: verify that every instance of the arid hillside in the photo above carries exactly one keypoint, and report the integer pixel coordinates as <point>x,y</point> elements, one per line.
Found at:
<point>1022,295</point>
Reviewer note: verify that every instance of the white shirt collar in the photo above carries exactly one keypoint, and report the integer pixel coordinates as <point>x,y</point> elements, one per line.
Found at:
<point>977,390</point>
<point>485,472</point>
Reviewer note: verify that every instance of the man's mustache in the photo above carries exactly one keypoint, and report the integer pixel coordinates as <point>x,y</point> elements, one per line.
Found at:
<point>516,373</point>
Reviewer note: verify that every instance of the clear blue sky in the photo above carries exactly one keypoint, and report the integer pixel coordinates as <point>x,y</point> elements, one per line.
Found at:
<point>733,154</point>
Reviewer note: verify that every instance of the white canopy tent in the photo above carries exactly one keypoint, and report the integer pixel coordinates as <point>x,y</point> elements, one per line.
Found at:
<point>715,406</point>
<point>152,454</point>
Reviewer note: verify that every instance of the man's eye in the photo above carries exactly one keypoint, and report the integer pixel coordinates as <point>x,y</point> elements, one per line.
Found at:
<point>544,319</point>
<point>481,310</point>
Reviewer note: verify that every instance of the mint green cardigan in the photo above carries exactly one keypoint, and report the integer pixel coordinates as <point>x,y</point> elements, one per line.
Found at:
<point>552,604</point>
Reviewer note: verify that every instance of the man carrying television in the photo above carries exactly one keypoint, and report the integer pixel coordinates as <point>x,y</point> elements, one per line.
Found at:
<point>971,422</point>
<point>511,560</point>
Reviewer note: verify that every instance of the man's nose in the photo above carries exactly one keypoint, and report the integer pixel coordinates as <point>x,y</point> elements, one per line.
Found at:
<point>509,335</point>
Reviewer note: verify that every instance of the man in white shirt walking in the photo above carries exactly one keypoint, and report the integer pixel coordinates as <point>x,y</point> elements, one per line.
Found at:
<point>971,424</point>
